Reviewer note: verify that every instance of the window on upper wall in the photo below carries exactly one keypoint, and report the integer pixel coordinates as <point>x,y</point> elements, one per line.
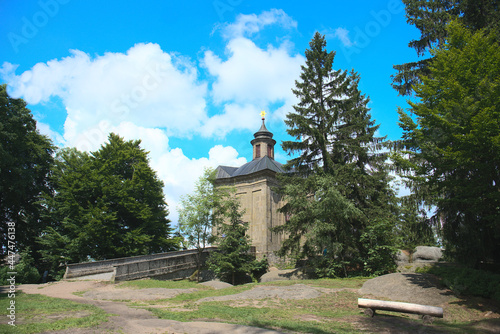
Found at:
<point>270,152</point>
<point>257,151</point>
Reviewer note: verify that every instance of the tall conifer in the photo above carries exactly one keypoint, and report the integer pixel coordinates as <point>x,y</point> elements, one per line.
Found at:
<point>338,185</point>
<point>431,18</point>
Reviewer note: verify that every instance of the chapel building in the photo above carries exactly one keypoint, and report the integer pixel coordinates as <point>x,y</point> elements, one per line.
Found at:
<point>254,183</point>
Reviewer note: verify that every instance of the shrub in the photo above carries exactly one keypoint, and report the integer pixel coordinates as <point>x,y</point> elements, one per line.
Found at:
<point>25,271</point>
<point>259,268</point>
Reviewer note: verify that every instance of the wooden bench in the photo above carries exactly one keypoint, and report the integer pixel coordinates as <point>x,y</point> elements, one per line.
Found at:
<point>426,311</point>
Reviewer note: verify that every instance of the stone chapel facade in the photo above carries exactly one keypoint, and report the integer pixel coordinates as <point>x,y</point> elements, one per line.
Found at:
<point>254,182</point>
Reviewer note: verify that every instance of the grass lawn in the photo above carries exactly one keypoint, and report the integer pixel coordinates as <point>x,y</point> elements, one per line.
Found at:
<point>37,313</point>
<point>318,315</point>
<point>335,312</point>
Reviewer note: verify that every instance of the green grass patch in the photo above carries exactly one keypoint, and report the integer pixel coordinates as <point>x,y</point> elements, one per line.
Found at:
<point>317,315</point>
<point>333,312</point>
<point>37,313</point>
<point>152,283</point>
<point>330,283</point>
<point>190,297</point>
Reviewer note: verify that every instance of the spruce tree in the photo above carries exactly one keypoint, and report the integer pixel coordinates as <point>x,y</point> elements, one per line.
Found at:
<point>338,183</point>
<point>451,147</point>
<point>232,260</point>
<point>431,18</point>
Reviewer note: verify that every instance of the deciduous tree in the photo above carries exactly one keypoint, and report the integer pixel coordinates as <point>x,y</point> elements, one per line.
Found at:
<point>200,213</point>
<point>25,165</point>
<point>107,204</point>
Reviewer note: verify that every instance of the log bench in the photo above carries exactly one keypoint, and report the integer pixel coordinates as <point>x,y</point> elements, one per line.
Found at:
<point>426,311</point>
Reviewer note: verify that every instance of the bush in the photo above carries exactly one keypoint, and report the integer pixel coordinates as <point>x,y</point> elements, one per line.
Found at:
<point>259,268</point>
<point>25,271</point>
<point>468,281</point>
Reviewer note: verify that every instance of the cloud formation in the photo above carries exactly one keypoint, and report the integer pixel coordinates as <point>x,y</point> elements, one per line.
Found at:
<point>250,78</point>
<point>339,33</point>
<point>247,25</point>
<point>343,35</point>
<point>177,171</point>
<point>145,86</point>
<point>251,74</point>
<point>150,94</point>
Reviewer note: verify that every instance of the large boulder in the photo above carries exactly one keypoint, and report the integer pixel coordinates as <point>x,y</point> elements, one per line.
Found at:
<point>417,288</point>
<point>402,257</point>
<point>427,254</point>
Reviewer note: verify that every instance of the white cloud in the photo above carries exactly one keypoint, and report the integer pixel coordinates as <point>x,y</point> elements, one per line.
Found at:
<point>251,74</point>
<point>45,129</point>
<point>235,117</point>
<point>341,34</point>
<point>247,25</point>
<point>152,95</point>
<point>179,173</point>
<point>145,86</point>
<point>152,88</point>
<point>251,79</point>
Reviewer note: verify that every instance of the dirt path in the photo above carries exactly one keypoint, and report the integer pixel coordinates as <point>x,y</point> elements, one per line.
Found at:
<point>127,319</point>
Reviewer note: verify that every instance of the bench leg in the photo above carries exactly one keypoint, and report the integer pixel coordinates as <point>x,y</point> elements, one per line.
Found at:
<point>427,319</point>
<point>370,312</point>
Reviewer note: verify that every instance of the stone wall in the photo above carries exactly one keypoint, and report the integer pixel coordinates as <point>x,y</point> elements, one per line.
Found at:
<point>174,267</point>
<point>98,267</point>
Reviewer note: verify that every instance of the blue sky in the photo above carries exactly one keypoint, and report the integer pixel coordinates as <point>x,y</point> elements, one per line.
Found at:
<point>189,78</point>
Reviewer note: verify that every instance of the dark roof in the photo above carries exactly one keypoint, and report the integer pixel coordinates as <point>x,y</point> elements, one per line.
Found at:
<point>263,132</point>
<point>251,167</point>
<point>225,171</point>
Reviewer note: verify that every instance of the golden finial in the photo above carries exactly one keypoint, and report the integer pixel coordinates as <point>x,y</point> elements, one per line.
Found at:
<point>263,114</point>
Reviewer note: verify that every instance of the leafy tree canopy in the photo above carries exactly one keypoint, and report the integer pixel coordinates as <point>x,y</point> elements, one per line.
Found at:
<point>108,204</point>
<point>201,212</point>
<point>25,164</point>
